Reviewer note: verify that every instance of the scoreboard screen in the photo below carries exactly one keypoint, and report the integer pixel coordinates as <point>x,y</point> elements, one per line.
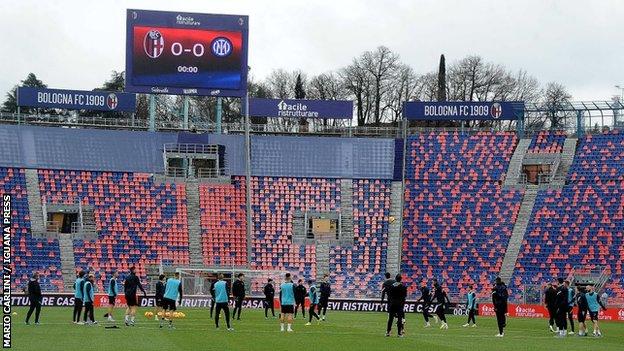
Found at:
<point>186,53</point>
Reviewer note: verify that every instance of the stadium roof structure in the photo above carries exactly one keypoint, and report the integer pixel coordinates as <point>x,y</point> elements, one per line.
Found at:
<point>574,106</point>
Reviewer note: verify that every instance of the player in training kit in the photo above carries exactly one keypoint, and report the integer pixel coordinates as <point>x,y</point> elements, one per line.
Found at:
<point>160,294</point>
<point>500,295</point>
<point>88,295</point>
<point>385,287</point>
<point>35,297</point>
<point>222,297</point>
<point>441,299</point>
<point>593,305</point>
<point>131,284</point>
<point>112,296</point>
<point>212,295</point>
<point>569,312</point>
<point>300,294</point>
<point>396,297</point>
<point>269,299</point>
<point>550,296</point>
<point>581,316</point>
<point>425,297</point>
<point>561,303</point>
<point>287,302</point>
<point>314,300</point>
<point>173,292</point>
<point>471,307</point>
<point>78,301</point>
<point>325,290</point>
<point>238,291</point>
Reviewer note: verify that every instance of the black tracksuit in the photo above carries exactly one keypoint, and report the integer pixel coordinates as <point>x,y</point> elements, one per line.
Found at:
<point>396,303</point>
<point>550,297</point>
<point>160,293</point>
<point>269,300</point>
<point>500,295</point>
<point>34,295</point>
<point>325,289</point>
<point>238,291</point>
<point>441,300</point>
<point>561,303</point>
<point>385,289</point>
<point>300,294</point>
<point>581,302</point>
<point>425,297</point>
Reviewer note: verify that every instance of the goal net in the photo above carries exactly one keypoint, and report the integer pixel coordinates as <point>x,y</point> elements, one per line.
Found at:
<point>196,281</point>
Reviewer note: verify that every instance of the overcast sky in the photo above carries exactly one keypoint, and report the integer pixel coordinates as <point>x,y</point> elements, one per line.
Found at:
<point>75,44</point>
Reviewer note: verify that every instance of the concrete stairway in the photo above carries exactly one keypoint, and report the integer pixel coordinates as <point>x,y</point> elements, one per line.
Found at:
<point>513,248</point>
<point>346,207</point>
<point>567,157</point>
<point>88,229</point>
<point>68,263</point>
<point>393,258</point>
<point>515,164</point>
<point>37,219</point>
<point>322,258</point>
<point>193,216</point>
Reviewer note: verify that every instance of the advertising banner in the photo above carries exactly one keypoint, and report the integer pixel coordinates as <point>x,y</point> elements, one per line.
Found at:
<point>462,110</point>
<point>110,101</point>
<point>286,108</point>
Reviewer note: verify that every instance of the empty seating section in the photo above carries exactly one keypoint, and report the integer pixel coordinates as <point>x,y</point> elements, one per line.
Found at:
<point>274,201</point>
<point>457,232</point>
<point>223,223</point>
<point>549,142</point>
<point>599,157</point>
<point>138,222</point>
<point>482,156</point>
<point>580,225</point>
<point>357,270</point>
<point>29,253</point>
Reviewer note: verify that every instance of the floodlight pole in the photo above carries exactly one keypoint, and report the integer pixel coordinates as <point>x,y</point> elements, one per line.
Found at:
<point>185,112</point>
<point>152,113</point>
<point>18,105</point>
<point>245,108</point>
<point>218,115</point>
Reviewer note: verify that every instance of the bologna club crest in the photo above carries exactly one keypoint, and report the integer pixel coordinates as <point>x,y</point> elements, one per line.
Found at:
<point>496,110</point>
<point>112,101</point>
<point>153,43</point>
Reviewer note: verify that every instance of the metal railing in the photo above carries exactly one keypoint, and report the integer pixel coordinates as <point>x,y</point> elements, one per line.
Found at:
<point>200,173</point>
<point>53,227</point>
<point>191,148</point>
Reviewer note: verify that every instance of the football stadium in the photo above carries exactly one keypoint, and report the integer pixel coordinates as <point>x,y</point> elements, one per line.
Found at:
<point>187,204</point>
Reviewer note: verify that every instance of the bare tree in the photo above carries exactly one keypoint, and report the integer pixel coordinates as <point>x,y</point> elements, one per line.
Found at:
<point>380,65</point>
<point>556,97</point>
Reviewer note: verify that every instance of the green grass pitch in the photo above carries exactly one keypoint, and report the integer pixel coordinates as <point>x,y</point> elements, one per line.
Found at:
<point>357,331</point>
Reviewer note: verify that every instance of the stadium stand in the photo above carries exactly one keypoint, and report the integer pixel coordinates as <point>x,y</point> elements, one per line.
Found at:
<point>599,157</point>
<point>357,270</point>
<point>581,224</point>
<point>274,200</point>
<point>549,142</point>
<point>457,232</point>
<point>482,156</point>
<point>223,223</point>
<point>29,253</point>
<point>457,218</point>
<point>138,222</point>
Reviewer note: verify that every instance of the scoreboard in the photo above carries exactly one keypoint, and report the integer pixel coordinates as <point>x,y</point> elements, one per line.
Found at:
<point>186,53</point>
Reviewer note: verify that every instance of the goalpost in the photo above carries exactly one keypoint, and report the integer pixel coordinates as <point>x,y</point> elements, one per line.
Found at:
<point>196,281</point>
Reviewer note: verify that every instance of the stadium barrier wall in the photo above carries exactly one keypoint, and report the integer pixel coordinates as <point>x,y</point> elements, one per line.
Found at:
<point>352,305</point>
<point>202,301</point>
<point>540,311</point>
